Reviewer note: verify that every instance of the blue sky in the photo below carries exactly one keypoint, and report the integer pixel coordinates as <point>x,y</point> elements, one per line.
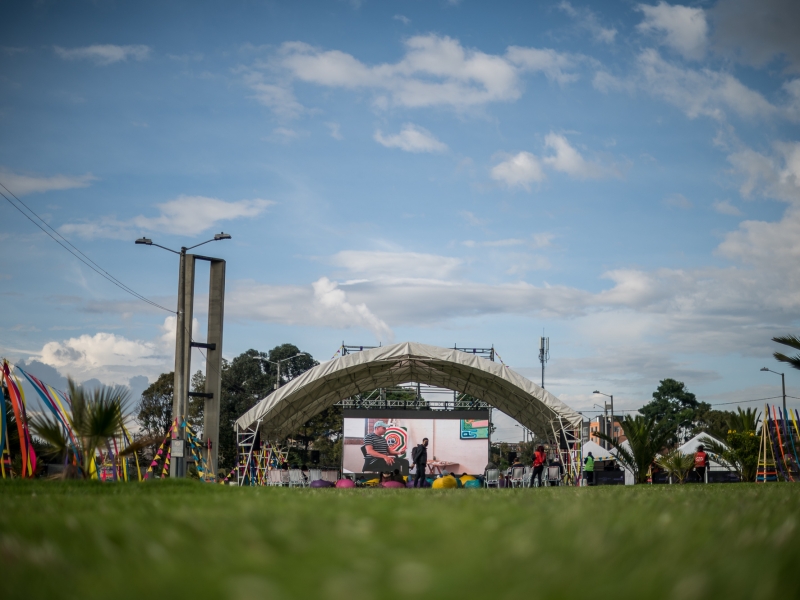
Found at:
<point>624,176</point>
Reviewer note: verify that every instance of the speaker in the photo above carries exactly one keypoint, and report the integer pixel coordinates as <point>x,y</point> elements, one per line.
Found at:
<point>512,456</point>
<point>315,456</point>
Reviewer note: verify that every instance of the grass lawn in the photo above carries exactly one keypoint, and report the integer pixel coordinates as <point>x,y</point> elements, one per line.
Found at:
<point>181,539</point>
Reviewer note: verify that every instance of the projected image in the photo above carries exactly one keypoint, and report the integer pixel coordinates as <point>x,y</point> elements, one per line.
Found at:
<point>376,443</point>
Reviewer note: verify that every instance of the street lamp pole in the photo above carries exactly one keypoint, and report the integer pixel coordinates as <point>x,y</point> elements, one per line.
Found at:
<point>183,348</point>
<point>278,365</point>
<point>783,387</point>
<point>613,426</point>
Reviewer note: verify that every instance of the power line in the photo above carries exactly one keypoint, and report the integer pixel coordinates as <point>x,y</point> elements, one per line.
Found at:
<point>712,404</point>
<point>74,250</point>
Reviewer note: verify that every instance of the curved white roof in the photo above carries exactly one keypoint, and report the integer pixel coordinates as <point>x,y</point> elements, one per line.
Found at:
<point>285,410</point>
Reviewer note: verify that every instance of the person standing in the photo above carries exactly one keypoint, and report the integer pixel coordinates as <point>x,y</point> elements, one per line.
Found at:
<point>539,460</point>
<point>420,457</point>
<point>588,468</point>
<point>701,462</point>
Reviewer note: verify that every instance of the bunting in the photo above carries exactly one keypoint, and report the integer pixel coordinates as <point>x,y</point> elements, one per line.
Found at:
<point>17,396</point>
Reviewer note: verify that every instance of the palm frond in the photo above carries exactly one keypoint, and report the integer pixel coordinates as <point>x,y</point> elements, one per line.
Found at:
<point>788,340</point>
<point>140,444</point>
<point>677,465</point>
<point>52,434</point>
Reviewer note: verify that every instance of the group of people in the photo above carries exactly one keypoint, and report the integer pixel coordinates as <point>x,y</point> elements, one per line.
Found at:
<point>700,465</point>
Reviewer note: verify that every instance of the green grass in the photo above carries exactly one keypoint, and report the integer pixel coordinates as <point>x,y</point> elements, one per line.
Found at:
<point>184,539</point>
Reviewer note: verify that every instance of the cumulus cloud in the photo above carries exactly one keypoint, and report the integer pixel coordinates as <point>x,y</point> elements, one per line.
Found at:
<point>22,184</point>
<point>724,207</point>
<point>411,138</point>
<point>587,20</point>
<point>682,28</point>
<point>395,265</point>
<point>567,159</point>
<point>322,304</point>
<point>700,92</point>
<point>278,97</point>
<point>523,169</point>
<point>186,215</point>
<point>104,54</point>
<point>519,171</point>
<point>435,71</point>
<point>775,175</point>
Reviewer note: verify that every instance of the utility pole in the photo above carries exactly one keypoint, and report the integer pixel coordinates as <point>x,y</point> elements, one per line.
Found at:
<point>544,353</point>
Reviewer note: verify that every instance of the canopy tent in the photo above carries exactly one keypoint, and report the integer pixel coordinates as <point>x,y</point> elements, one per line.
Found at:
<point>286,409</point>
<point>598,452</point>
<point>690,447</point>
<point>629,478</point>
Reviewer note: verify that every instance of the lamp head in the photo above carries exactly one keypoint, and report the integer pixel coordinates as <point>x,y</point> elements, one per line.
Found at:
<point>222,236</point>
<point>145,241</point>
<point>764,369</point>
<point>596,392</point>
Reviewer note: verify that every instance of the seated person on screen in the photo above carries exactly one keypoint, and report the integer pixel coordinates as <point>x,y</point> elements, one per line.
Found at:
<point>378,457</point>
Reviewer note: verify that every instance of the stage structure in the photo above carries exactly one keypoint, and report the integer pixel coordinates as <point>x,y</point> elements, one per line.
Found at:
<point>477,383</point>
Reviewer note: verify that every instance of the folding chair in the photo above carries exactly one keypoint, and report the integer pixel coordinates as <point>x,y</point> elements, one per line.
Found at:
<point>314,475</point>
<point>526,477</point>
<point>554,475</point>
<point>331,475</point>
<point>274,478</point>
<point>492,478</point>
<point>296,478</point>
<point>517,474</point>
<point>284,477</point>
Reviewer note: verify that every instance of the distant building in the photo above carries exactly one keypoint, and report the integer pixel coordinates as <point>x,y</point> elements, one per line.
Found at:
<point>597,426</point>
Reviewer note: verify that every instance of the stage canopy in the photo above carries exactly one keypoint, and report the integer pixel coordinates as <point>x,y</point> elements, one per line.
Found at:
<point>285,410</point>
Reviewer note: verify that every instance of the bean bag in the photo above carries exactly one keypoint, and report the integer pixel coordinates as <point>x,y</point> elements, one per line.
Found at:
<point>466,478</point>
<point>345,483</point>
<point>424,483</point>
<point>472,483</point>
<point>320,483</point>
<point>445,483</point>
<point>392,484</point>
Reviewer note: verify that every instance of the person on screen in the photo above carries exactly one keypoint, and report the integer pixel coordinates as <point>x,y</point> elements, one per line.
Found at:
<point>420,456</point>
<point>378,457</point>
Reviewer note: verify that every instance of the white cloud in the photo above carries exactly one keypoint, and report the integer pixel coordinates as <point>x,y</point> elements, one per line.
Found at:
<point>411,138</point>
<point>396,265</point>
<point>435,71</point>
<point>678,201</point>
<point>587,20</point>
<point>336,130</point>
<point>321,304</point>
<point>520,170</point>
<point>568,160</point>
<point>278,97</point>
<point>724,207</point>
<point>104,54</point>
<point>700,92</point>
<point>776,176</point>
<point>470,218</point>
<point>403,19</point>
<point>682,28</point>
<point>22,185</point>
<point>537,240</point>
<point>186,215</point>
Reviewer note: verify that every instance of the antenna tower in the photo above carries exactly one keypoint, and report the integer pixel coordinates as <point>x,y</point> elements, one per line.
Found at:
<point>544,353</point>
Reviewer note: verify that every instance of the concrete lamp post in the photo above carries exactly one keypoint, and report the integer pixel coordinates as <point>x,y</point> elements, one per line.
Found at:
<point>613,437</point>
<point>183,351</point>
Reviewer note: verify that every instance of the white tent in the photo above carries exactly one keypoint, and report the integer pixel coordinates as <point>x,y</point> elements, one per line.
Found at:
<point>629,478</point>
<point>598,452</point>
<point>286,409</point>
<point>690,447</point>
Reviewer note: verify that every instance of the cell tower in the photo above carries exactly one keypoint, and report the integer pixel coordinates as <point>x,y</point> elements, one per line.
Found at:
<point>544,353</point>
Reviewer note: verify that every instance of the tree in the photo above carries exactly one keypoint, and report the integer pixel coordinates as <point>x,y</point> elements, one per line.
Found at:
<point>247,379</point>
<point>740,452</point>
<point>95,417</point>
<point>154,410</point>
<point>675,410</point>
<point>645,438</point>
<point>793,342</point>
<point>676,465</point>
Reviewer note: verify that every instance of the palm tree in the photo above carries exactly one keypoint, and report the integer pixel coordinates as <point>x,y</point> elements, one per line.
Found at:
<point>94,417</point>
<point>676,465</point>
<point>645,438</point>
<point>793,342</point>
<point>741,451</point>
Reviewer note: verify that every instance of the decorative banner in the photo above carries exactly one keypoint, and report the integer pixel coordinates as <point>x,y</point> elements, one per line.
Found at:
<point>397,439</point>
<point>18,405</point>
